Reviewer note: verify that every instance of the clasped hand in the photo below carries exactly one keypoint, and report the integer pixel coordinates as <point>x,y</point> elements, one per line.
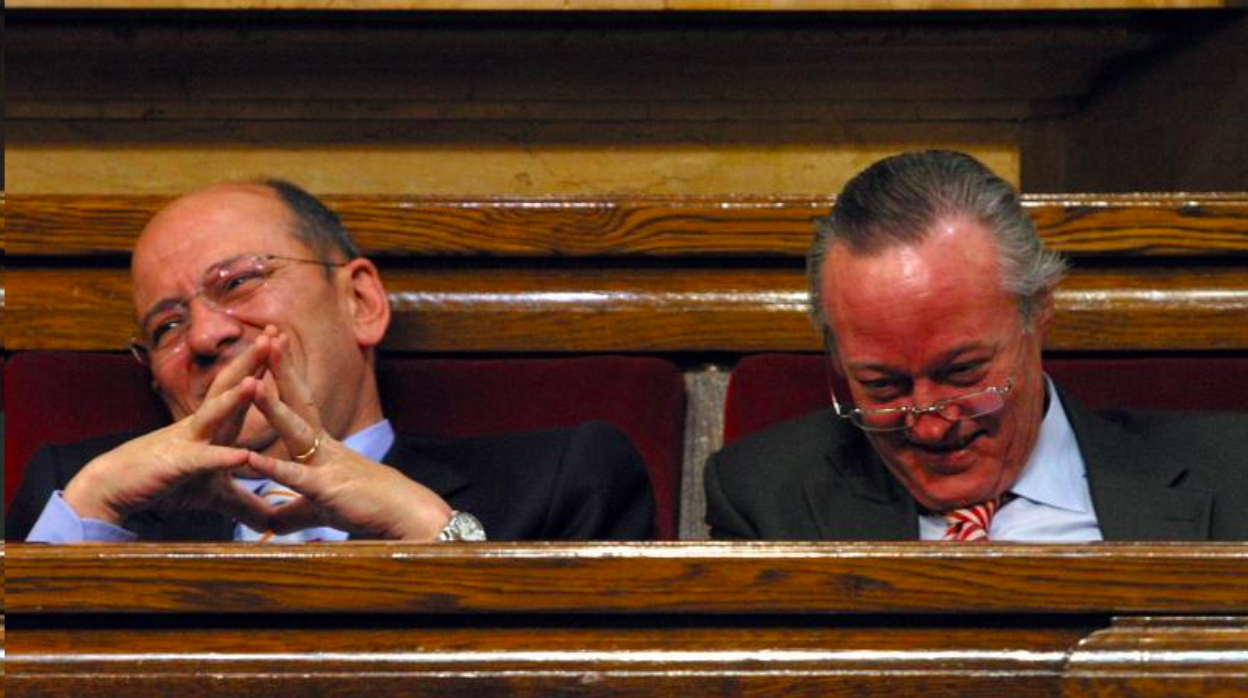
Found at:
<point>189,465</point>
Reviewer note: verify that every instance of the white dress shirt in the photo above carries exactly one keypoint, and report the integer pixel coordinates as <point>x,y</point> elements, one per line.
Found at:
<point>1052,500</point>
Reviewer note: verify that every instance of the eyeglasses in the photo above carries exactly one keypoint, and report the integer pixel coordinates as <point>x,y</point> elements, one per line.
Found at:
<point>953,409</point>
<point>226,287</point>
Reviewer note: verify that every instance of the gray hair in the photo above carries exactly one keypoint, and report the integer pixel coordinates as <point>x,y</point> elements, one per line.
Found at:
<point>898,200</point>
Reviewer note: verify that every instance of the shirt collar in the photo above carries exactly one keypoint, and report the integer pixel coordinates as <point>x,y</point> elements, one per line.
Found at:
<point>1055,473</point>
<point>372,442</point>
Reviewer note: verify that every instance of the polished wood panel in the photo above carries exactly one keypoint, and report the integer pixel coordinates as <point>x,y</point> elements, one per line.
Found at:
<point>1152,271</point>
<point>651,658</point>
<point>1154,656</point>
<point>673,308</point>
<point>1122,225</point>
<point>763,619</point>
<point>626,578</point>
<point>617,5</point>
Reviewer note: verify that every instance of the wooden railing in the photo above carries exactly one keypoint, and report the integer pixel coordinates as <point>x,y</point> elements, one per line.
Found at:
<point>618,5</point>
<point>1152,272</point>
<point>636,619</point>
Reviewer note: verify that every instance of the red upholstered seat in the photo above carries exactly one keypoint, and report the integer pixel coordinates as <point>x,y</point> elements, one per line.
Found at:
<point>769,388</point>
<point>65,396</point>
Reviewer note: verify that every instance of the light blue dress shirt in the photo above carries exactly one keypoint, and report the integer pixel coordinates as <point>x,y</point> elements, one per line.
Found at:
<point>1052,502</point>
<point>59,523</point>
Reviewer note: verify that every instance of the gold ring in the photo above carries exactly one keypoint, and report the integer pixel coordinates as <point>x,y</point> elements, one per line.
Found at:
<point>307,455</point>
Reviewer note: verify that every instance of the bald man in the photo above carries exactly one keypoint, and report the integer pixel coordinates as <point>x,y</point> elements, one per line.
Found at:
<point>259,321</point>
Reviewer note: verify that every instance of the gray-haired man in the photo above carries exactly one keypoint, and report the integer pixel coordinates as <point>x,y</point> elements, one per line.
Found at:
<point>935,294</point>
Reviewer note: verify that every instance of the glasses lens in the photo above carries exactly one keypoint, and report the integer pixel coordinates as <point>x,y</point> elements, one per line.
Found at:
<point>140,352</point>
<point>971,406</point>
<point>234,282</point>
<point>162,330</point>
<point>882,420</point>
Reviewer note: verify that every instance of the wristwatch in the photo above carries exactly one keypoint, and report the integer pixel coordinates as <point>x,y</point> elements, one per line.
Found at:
<point>462,526</point>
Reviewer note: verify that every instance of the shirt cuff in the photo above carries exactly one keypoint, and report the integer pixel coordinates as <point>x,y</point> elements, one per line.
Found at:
<point>59,523</point>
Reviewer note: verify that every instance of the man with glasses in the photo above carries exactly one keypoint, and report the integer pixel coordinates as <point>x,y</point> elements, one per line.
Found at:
<point>259,321</point>
<point>934,294</point>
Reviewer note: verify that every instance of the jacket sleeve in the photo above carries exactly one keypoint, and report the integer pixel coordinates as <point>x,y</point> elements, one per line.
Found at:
<point>602,490</point>
<point>725,522</point>
<point>42,476</point>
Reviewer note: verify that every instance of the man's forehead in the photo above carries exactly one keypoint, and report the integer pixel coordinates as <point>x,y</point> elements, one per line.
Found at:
<point>951,255</point>
<point>203,229</point>
<point>220,210</point>
<point>918,301</point>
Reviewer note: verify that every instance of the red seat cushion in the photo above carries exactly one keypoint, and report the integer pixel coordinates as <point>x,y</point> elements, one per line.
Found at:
<point>65,396</point>
<point>769,388</point>
<point>60,397</point>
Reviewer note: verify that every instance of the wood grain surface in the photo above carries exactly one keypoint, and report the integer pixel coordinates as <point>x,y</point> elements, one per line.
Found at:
<point>1152,272</point>
<point>1122,225</point>
<point>638,578</point>
<point>762,619</point>
<point>672,308</point>
<point>1157,656</point>
<point>618,5</point>
<point>588,657</point>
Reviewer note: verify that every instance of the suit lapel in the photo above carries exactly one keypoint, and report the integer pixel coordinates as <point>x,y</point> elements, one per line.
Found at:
<point>854,497</point>
<point>1134,491</point>
<point>440,477</point>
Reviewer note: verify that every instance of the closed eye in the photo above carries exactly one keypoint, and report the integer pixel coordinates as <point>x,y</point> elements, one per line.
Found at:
<point>965,374</point>
<point>883,390</point>
<point>164,328</point>
<point>240,284</point>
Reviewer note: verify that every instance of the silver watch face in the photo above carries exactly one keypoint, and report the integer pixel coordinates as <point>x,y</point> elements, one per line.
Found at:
<point>462,526</point>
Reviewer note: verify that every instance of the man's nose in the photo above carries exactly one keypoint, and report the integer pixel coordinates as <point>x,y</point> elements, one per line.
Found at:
<point>929,428</point>
<point>211,329</point>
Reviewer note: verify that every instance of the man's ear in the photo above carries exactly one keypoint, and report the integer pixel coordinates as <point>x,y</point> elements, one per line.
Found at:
<point>1042,312</point>
<point>368,302</point>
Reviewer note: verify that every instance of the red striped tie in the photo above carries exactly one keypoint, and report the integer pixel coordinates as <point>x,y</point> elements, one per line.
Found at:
<point>971,523</point>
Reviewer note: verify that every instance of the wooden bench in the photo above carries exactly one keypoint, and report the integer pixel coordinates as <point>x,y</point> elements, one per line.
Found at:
<point>627,619</point>
<point>1152,272</point>
<point>701,281</point>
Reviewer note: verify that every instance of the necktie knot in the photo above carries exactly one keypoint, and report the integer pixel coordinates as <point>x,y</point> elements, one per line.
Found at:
<point>972,523</point>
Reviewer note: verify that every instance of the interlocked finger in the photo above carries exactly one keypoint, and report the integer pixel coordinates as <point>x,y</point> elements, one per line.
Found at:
<point>304,441</point>
<point>222,411</point>
<point>294,391</point>
<point>251,362</point>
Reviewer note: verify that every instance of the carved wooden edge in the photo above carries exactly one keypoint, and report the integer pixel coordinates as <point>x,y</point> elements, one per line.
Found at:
<point>570,656</point>
<point>1163,656</point>
<point>593,310</point>
<point>1119,225</point>
<point>617,5</point>
<point>628,578</point>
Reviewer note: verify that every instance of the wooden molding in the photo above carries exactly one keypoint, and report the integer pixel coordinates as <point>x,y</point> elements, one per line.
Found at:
<point>1151,271</point>
<point>1176,224</point>
<point>677,578</point>
<point>382,619</point>
<point>618,5</point>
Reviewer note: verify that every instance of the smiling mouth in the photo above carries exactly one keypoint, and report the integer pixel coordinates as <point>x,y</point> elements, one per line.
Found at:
<point>945,452</point>
<point>941,450</point>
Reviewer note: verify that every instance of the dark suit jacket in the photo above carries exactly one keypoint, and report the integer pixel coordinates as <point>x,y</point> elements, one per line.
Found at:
<point>586,483</point>
<point>1153,476</point>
